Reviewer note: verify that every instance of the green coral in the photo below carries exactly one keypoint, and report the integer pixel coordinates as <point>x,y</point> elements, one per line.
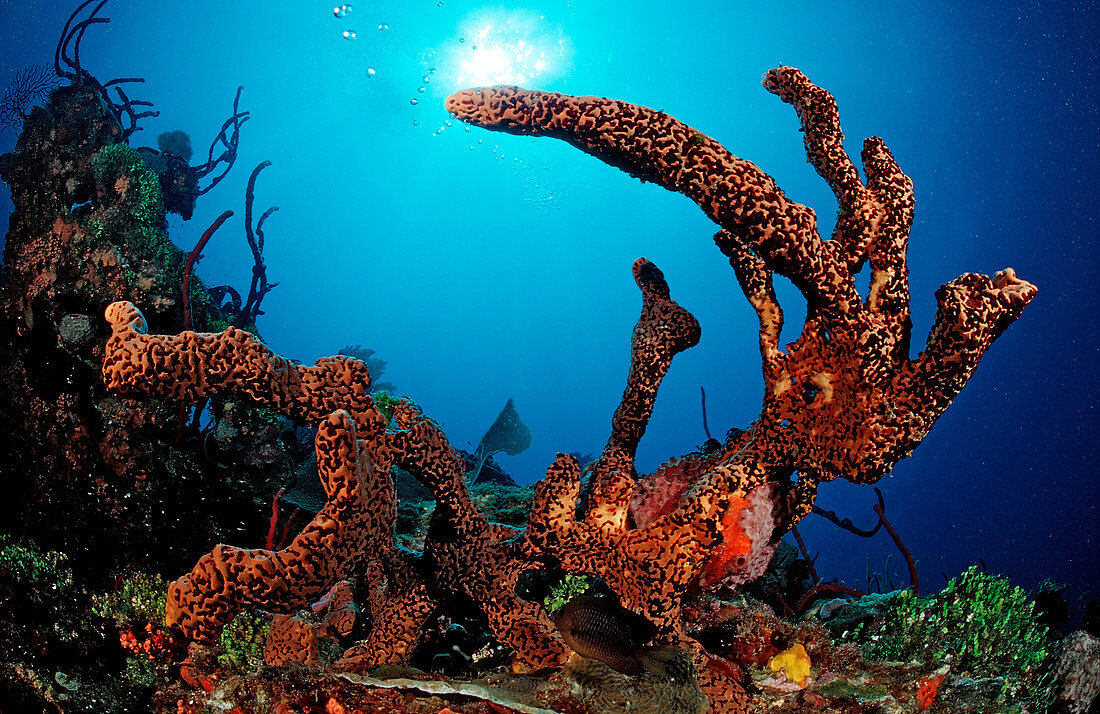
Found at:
<point>131,215</point>
<point>142,197</point>
<point>242,642</point>
<point>138,598</point>
<point>31,568</point>
<point>142,672</point>
<point>569,587</point>
<point>385,403</point>
<point>979,623</point>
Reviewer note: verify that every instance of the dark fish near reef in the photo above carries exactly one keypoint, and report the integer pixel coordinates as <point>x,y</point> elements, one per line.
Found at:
<point>601,628</point>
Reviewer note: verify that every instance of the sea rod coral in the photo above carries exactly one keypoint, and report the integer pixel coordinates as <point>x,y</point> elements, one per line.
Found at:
<point>843,401</point>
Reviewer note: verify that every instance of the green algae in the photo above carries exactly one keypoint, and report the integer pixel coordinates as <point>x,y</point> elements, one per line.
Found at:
<point>979,624</point>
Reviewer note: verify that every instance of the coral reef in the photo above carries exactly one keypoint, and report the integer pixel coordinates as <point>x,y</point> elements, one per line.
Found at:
<point>111,482</point>
<point>100,467</point>
<point>89,228</point>
<point>844,401</point>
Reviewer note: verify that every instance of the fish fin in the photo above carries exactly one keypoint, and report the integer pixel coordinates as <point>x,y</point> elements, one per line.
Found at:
<point>661,660</point>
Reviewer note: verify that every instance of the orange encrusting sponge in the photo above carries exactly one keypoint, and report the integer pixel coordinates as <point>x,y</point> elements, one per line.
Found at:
<point>735,542</point>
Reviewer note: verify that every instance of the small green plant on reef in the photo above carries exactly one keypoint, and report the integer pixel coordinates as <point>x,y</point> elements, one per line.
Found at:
<point>565,590</point>
<point>385,403</point>
<point>143,673</point>
<point>242,642</point>
<point>118,167</point>
<point>138,599</point>
<point>136,606</point>
<point>131,215</point>
<point>980,624</point>
<point>26,566</point>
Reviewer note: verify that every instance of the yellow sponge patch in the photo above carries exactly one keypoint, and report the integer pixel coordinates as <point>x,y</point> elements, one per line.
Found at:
<point>795,663</point>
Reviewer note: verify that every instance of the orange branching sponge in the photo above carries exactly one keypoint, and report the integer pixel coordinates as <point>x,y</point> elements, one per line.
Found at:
<point>297,638</point>
<point>470,557</point>
<point>651,566</point>
<point>843,401</point>
<point>648,567</point>
<point>291,639</point>
<point>191,366</point>
<point>229,580</point>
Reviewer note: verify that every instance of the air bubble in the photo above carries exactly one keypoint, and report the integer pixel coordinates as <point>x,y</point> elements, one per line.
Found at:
<point>414,101</point>
<point>383,26</point>
<point>421,89</point>
<point>370,71</point>
<point>349,35</point>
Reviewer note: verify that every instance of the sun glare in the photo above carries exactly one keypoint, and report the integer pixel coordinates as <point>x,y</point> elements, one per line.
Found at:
<point>508,47</point>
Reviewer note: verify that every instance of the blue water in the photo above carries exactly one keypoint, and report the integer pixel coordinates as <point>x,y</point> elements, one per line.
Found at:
<point>484,266</point>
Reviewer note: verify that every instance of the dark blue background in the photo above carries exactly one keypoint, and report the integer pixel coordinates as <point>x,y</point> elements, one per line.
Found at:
<point>485,266</point>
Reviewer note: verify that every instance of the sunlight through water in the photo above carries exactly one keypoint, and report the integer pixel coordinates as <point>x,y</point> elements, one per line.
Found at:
<point>497,46</point>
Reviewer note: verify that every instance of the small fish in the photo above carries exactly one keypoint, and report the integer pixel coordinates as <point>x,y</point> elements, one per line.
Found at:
<point>600,628</point>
